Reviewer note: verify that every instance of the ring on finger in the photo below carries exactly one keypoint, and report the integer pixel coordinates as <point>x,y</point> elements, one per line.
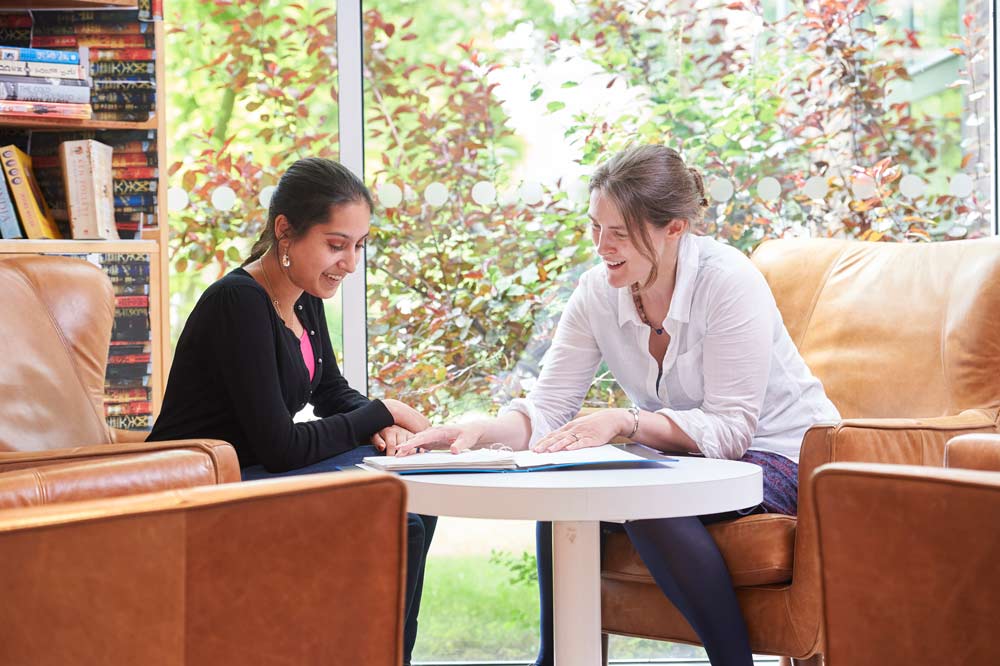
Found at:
<point>576,437</point>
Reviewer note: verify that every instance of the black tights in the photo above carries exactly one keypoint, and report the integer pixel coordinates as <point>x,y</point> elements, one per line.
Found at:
<point>688,568</point>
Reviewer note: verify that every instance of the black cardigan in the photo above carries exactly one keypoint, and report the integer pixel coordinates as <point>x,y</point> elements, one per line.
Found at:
<point>238,376</point>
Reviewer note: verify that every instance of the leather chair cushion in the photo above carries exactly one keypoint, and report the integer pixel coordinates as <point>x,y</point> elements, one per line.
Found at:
<point>128,474</point>
<point>757,549</point>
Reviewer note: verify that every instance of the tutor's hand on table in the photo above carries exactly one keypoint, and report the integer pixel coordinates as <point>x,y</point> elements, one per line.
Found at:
<point>456,438</point>
<point>595,429</point>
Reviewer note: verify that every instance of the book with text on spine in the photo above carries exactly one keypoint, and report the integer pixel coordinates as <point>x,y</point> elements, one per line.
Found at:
<point>36,218</point>
<point>86,167</point>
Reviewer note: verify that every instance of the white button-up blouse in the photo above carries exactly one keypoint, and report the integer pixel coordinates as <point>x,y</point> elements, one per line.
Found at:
<point>732,378</point>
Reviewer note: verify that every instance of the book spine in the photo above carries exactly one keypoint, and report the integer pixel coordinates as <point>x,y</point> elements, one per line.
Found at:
<point>15,20</point>
<point>123,187</point>
<point>34,212</point>
<point>135,173</point>
<point>47,70</point>
<point>122,67</point>
<point>90,28</point>
<point>15,36</point>
<point>47,19</point>
<point>131,421</point>
<point>96,41</point>
<point>121,55</point>
<point>39,55</point>
<point>9,228</point>
<point>28,109</point>
<point>130,407</point>
<point>132,302</point>
<point>43,92</point>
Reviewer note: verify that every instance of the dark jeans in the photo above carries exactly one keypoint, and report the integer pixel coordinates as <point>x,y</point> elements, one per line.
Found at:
<point>419,532</point>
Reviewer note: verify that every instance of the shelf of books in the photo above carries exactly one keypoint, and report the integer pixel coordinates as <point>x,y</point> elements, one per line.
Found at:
<point>81,146</point>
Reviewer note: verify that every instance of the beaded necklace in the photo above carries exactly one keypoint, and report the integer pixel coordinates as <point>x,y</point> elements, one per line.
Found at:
<point>641,310</point>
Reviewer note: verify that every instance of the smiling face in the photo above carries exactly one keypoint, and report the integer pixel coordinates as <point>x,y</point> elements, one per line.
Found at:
<point>622,258</point>
<point>329,251</point>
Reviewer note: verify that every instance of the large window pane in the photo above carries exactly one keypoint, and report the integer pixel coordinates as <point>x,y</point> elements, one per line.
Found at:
<point>865,120</point>
<point>252,88</point>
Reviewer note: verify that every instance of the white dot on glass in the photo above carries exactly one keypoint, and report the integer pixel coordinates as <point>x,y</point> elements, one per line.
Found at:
<point>265,195</point>
<point>721,189</point>
<point>223,198</point>
<point>531,193</point>
<point>769,189</point>
<point>436,194</point>
<point>816,187</point>
<point>863,187</point>
<point>483,193</point>
<point>177,198</point>
<point>911,187</point>
<point>961,185</point>
<point>389,195</point>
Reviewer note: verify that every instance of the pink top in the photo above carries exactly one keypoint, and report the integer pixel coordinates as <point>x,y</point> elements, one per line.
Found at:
<point>307,353</point>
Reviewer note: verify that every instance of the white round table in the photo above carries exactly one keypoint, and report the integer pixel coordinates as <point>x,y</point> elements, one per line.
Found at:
<point>576,501</point>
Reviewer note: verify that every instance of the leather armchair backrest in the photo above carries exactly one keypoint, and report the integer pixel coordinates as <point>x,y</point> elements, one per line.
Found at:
<point>893,329</point>
<point>55,328</point>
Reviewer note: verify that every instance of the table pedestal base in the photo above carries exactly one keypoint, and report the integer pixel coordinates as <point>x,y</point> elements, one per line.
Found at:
<point>576,563</point>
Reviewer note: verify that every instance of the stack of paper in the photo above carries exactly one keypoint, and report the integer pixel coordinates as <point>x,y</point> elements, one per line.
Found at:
<point>494,460</point>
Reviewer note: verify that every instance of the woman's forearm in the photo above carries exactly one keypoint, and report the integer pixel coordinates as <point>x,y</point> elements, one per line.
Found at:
<point>512,429</point>
<point>660,432</point>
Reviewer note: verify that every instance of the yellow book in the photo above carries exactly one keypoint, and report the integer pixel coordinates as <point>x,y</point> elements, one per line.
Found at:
<point>36,218</point>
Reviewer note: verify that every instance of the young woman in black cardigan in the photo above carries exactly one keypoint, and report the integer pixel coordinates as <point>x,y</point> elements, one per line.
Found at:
<point>256,349</point>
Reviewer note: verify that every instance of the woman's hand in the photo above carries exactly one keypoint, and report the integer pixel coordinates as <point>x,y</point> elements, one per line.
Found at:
<point>457,438</point>
<point>595,429</point>
<point>387,439</point>
<point>405,416</point>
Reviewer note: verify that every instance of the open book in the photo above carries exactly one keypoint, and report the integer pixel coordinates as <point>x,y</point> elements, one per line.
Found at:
<point>492,460</point>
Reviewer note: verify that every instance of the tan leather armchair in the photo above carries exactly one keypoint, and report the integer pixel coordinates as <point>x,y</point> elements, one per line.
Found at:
<point>303,570</point>
<point>909,556</point>
<point>905,340</point>
<point>101,569</point>
<point>54,339</point>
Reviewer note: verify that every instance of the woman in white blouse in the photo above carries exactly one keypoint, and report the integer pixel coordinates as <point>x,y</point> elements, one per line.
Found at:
<point>690,330</point>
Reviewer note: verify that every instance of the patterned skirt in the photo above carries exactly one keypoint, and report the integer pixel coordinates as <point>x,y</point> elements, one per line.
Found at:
<point>781,483</point>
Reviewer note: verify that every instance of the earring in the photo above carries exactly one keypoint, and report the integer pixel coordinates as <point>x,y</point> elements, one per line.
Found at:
<point>285,261</point>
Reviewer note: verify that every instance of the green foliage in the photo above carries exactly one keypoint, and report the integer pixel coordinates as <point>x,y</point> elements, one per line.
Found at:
<point>460,294</point>
<point>807,94</point>
<point>454,291</point>
<point>523,570</point>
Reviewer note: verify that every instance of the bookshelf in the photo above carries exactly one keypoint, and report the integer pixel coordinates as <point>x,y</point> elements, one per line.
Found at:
<point>152,242</point>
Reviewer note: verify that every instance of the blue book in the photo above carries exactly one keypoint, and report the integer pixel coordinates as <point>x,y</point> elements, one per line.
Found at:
<point>39,55</point>
<point>9,228</point>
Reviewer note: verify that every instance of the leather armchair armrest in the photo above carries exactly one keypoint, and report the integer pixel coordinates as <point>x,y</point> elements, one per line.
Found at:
<point>899,441</point>
<point>109,476</point>
<point>298,570</point>
<point>974,452</point>
<point>221,455</point>
<point>908,561</point>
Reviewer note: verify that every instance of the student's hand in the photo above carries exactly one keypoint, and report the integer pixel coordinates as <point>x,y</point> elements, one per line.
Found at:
<point>456,438</point>
<point>405,416</point>
<point>387,439</point>
<point>595,429</point>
